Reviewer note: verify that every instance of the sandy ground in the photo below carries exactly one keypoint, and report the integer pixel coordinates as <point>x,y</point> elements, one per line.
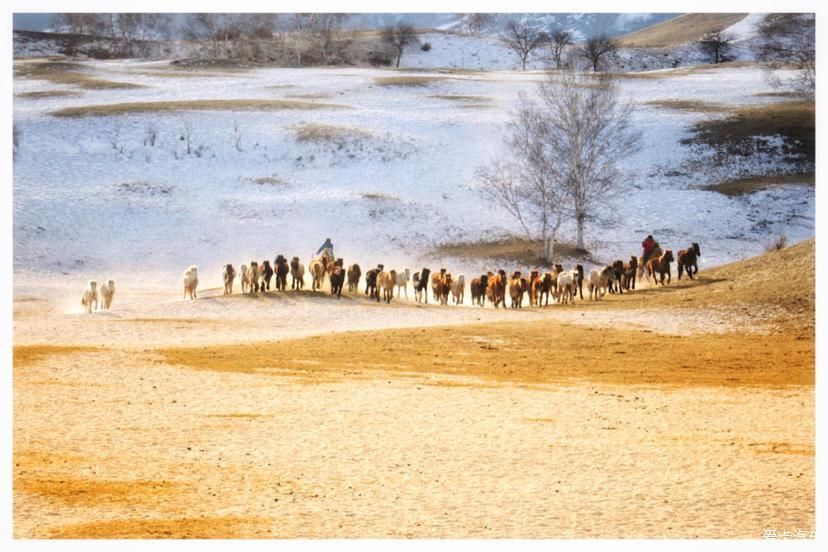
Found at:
<point>114,439</point>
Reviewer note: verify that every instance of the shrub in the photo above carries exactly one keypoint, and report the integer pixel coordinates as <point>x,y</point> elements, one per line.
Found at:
<point>778,243</point>
<point>379,59</point>
<point>426,47</point>
<point>15,141</point>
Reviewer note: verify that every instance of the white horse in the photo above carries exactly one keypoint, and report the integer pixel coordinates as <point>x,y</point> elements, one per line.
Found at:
<point>90,294</point>
<point>191,282</point>
<point>402,281</point>
<point>107,293</point>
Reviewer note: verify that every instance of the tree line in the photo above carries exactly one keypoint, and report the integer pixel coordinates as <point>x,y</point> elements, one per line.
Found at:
<point>785,40</point>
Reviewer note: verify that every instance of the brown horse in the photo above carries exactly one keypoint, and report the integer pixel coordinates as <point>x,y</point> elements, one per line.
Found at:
<point>535,284</point>
<point>688,259</point>
<point>661,266</point>
<point>385,285</point>
<point>642,262</point>
<point>629,272</point>
<point>496,292</point>
<point>317,269</point>
<point>516,290</point>
<point>443,288</point>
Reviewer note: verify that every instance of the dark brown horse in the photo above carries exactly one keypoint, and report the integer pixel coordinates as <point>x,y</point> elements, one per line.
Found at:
<point>629,272</point>
<point>282,269</point>
<point>478,289</point>
<point>354,272</point>
<point>688,259</point>
<point>336,270</point>
<point>547,285</point>
<point>617,271</point>
<point>267,275</point>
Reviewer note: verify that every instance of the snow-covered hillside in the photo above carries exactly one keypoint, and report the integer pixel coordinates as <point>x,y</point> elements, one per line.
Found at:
<point>384,167</point>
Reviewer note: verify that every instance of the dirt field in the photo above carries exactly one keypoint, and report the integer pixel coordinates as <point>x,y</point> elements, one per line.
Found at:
<point>678,412</point>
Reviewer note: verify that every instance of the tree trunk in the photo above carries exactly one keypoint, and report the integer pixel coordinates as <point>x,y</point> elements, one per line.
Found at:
<point>399,56</point>
<point>549,250</point>
<point>579,243</point>
<point>524,62</point>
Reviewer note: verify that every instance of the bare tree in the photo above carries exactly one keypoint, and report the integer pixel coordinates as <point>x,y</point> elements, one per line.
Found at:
<point>558,41</point>
<point>475,23</point>
<point>716,45</point>
<point>328,26</point>
<point>237,135</point>
<point>187,135</point>
<point>589,134</point>
<point>523,40</point>
<point>399,37</point>
<point>150,135</point>
<point>597,48</point>
<point>221,30</point>
<point>524,183</point>
<point>787,40</point>
<point>78,23</point>
<point>302,31</point>
<point>563,157</point>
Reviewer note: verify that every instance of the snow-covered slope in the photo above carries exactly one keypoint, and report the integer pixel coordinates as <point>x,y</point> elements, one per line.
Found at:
<point>387,172</point>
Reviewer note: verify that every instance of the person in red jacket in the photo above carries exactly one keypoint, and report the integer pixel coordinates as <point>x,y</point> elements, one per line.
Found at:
<point>648,244</point>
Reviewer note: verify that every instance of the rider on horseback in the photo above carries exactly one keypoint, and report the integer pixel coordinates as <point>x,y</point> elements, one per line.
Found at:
<point>649,244</point>
<point>327,246</point>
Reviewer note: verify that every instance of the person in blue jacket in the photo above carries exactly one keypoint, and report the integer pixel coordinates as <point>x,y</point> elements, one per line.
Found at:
<point>327,245</point>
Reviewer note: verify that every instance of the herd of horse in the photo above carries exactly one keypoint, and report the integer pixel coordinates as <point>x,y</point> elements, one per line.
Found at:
<point>562,285</point>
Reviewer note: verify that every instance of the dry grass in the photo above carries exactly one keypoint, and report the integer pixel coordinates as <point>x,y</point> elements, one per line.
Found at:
<point>461,98</point>
<point>26,355</point>
<point>777,95</point>
<point>512,250</point>
<point>688,27</point>
<point>311,96</point>
<point>48,94</point>
<point>794,121</point>
<point>269,181</point>
<point>408,81</point>
<point>521,353</point>
<point>742,186</point>
<point>312,132</point>
<point>680,72</point>
<point>378,196</point>
<point>690,105</point>
<point>189,105</point>
<point>226,527</point>
<point>73,74</point>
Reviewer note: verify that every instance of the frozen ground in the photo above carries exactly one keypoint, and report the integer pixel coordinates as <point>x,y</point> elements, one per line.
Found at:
<point>94,199</point>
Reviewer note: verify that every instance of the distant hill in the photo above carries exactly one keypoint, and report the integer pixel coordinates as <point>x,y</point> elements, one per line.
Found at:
<point>680,30</point>
<point>583,24</point>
